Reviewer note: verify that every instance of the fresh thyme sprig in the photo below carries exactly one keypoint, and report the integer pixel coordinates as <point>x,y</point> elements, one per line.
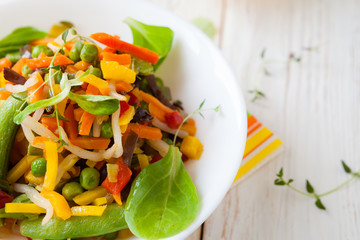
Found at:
<point>197,111</point>
<point>310,191</point>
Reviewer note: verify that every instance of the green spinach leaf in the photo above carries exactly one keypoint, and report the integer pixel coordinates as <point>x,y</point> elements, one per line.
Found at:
<point>156,38</point>
<point>65,86</point>
<point>96,104</point>
<point>19,37</point>
<point>163,200</point>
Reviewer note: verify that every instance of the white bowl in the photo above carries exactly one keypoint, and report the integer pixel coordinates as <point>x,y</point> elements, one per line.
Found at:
<point>194,70</point>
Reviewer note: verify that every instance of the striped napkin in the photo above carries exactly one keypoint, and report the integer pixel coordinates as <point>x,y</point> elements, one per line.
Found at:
<point>261,146</point>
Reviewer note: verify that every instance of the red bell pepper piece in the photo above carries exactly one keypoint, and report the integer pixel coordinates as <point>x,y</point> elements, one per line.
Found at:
<point>123,178</point>
<point>174,119</point>
<point>124,106</point>
<point>4,198</point>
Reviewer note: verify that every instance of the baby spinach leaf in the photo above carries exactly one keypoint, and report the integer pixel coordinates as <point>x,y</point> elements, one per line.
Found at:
<point>96,104</point>
<point>19,37</point>
<point>163,199</point>
<point>65,86</point>
<point>156,38</point>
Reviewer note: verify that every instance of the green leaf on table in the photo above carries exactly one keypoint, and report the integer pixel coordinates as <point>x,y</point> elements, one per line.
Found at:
<point>347,169</point>
<point>205,25</point>
<point>309,187</point>
<point>65,86</point>
<point>280,174</point>
<point>279,182</point>
<point>18,38</point>
<point>163,200</point>
<point>156,38</point>
<point>319,204</point>
<point>96,104</point>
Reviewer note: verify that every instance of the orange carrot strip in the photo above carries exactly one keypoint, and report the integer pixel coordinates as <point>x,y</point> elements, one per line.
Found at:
<point>81,65</point>
<point>45,61</point>
<point>86,123</point>
<point>122,46</point>
<point>35,92</point>
<point>157,112</point>
<point>189,127</point>
<point>98,143</point>
<point>151,99</point>
<point>123,86</point>
<point>145,131</point>
<point>78,113</point>
<point>251,120</point>
<point>51,123</point>
<point>4,95</point>
<point>43,41</point>
<point>122,59</point>
<point>19,65</point>
<point>71,127</point>
<point>69,45</point>
<point>40,139</point>
<point>4,62</point>
<point>71,69</point>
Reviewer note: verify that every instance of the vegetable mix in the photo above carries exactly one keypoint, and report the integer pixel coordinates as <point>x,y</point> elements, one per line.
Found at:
<point>91,143</point>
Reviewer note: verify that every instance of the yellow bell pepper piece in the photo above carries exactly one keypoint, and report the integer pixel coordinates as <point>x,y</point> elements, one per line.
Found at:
<point>88,197</point>
<point>88,210</point>
<point>51,156</point>
<point>91,163</point>
<point>3,81</point>
<point>100,201</point>
<point>112,172</point>
<point>114,71</point>
<point>30,178</point>
<point>59,203</point>
<point>191,147</point>
<point>97,82</point>
<point>127,116</point>
<point>117,199</point>
<point>20,168</point>
<point>23,208</point>
<point>123,128</point>
<point>143,161</point>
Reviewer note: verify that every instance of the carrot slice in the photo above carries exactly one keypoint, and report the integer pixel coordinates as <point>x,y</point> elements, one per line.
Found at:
<point>4,62</point>
<point>35,92</point>
<point>19,65</point>
<point>71,127</point>
<point>145,131</point>
<point>43,41</point>
<point>40,139</point>
<point>98,143</point>
<point>123,86</point>
<point>122,59</point>
<point>129,48</point>
<point>51,123</point>
<point>45,61</point>
<point>69,45</point>
<point>151,99</point>
<point>86,123</point>
<point>4,95</point>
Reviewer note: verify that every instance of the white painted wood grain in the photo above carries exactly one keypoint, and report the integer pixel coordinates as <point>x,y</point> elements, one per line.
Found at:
<point>312,105</point>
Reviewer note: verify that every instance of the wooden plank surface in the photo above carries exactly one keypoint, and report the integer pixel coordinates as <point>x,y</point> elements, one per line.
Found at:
<point>311,104</point>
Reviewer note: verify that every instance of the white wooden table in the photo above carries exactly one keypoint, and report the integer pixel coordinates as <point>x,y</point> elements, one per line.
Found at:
<point>312,105</point>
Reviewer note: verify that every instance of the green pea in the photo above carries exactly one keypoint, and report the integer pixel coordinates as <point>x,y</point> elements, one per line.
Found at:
<point>89,53</point>
<point>97,72</point>
<point>89,178</point>
<point>74,53</point>
<point>41,48</point>
<point>13,57</point>
<point>38,167</point>
<point>106,130</point>
<point>71,190</point>
<point>25,70</point>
